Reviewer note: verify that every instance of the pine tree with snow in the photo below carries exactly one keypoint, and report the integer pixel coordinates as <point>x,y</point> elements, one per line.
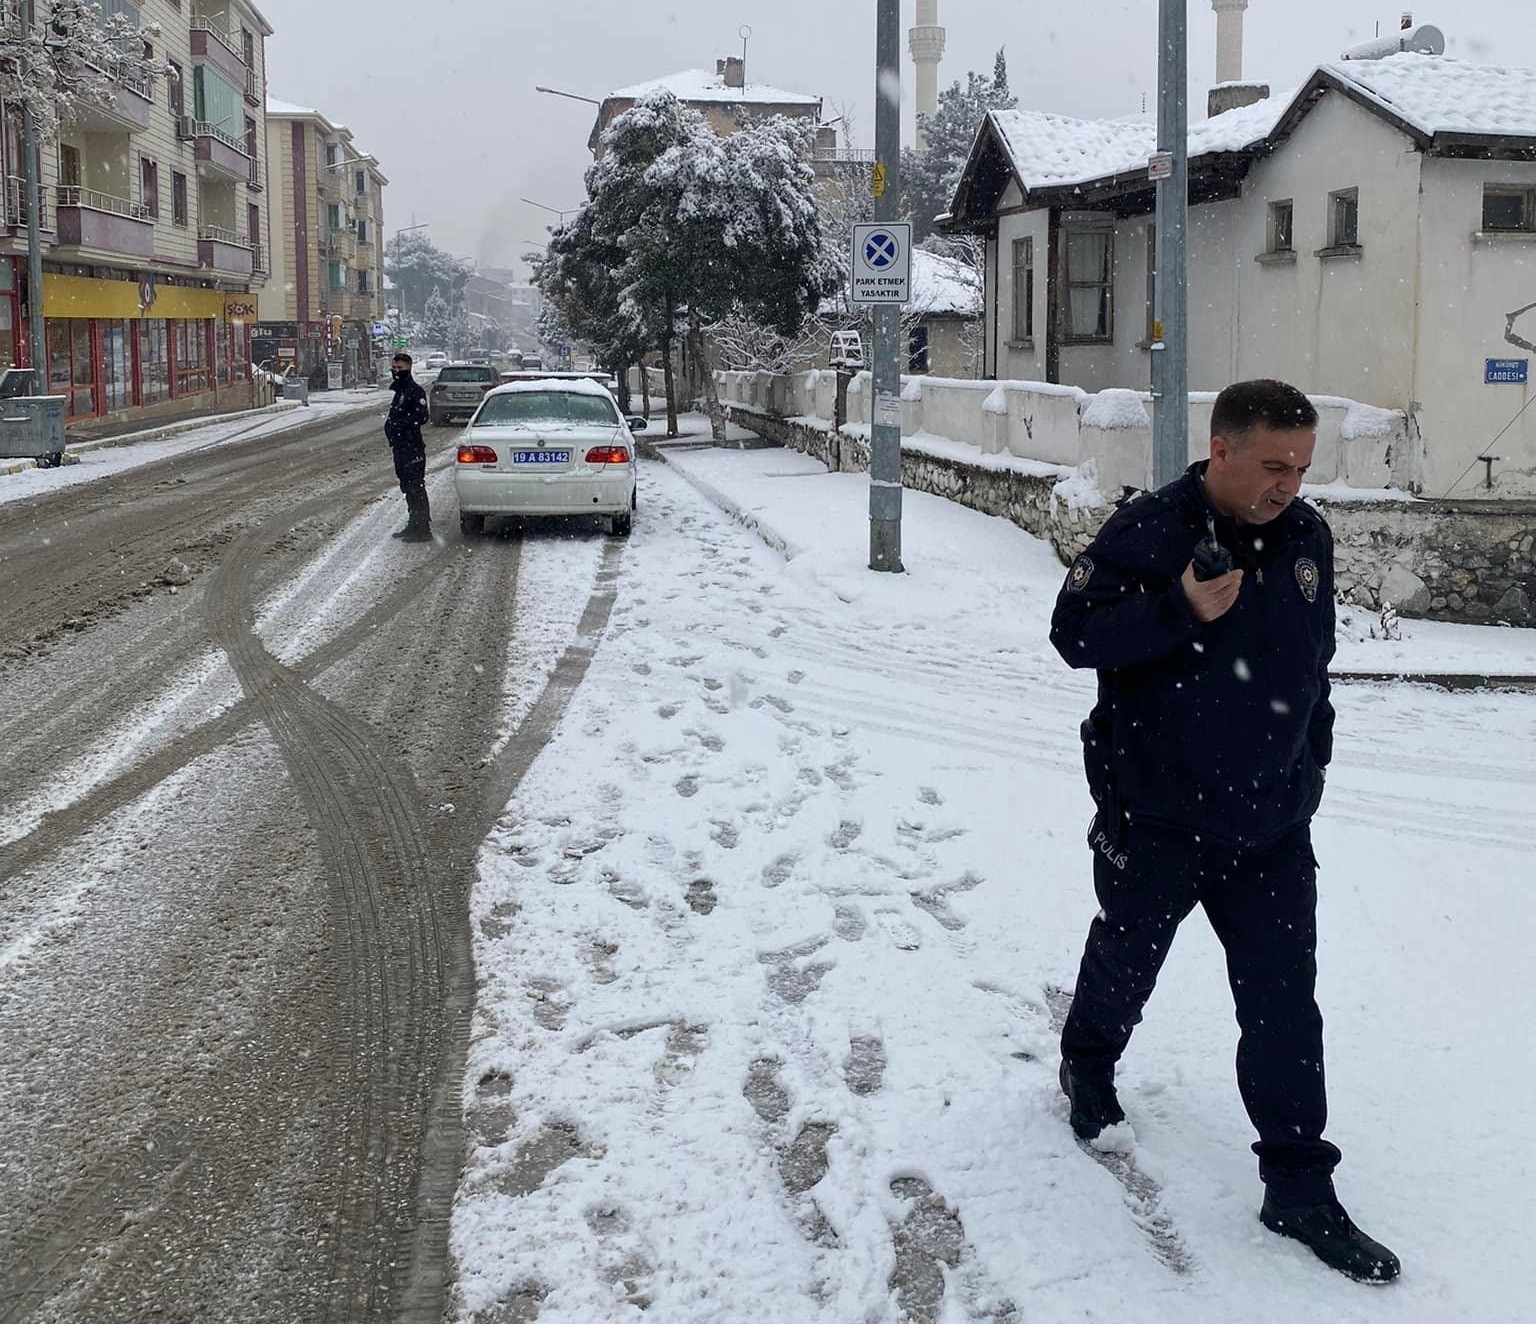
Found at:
<point>929,175</point>
<point>435,324</point>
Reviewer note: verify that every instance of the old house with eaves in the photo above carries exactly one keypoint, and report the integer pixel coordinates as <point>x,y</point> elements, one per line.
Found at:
<point>1371,234</point>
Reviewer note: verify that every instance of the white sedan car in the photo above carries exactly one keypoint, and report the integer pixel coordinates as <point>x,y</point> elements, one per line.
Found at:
<point>547,447</point>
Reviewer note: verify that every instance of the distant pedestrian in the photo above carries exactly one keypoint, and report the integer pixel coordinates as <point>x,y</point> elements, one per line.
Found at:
<point>407,413</point>
<point>1207,609</point>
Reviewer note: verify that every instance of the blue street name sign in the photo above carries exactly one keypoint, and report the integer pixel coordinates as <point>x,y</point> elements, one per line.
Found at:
<point>1496,371</point>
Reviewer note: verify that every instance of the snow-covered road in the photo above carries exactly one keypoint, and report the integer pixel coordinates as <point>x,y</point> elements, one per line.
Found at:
<point>771,941</point>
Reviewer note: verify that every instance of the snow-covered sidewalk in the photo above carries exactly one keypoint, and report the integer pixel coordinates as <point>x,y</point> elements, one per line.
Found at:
<point>102,459</point>
<point>772,943</point>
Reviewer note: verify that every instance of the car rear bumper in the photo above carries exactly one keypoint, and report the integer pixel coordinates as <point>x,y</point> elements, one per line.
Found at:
<point>488,492</point>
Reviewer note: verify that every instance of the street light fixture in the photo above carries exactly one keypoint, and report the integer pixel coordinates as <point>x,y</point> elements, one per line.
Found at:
<point>405,229</point>
<point>556,92</point>
<point>562,213</point>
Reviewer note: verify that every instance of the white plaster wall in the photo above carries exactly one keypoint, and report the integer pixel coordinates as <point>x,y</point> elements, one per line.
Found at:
<point>1467,287</point>
<point>1015,362</point>
<point>1333,326</point>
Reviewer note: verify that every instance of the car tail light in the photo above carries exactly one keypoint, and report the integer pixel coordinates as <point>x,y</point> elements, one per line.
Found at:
<point>436,387</point>
<point>608,455</point>
<point>476,455</point>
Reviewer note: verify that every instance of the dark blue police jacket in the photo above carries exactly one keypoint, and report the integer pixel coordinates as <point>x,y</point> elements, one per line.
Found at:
<point>1220,728</point>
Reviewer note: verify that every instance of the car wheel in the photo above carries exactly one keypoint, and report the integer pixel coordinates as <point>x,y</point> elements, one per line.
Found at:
<point>620,525</point>
<point>471,526</point>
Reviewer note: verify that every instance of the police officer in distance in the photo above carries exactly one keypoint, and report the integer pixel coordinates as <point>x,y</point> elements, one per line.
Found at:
<point>1207,609</point>
<point>402,427</point>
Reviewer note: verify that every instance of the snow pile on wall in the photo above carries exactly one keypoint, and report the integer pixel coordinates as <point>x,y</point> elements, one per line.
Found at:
<point>996,403</point>
<point>1115,410</point>
<point>1369,421</point>
<point>1080,490</point>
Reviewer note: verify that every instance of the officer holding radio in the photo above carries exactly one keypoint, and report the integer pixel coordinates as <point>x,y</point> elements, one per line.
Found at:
<point>1207,609</point>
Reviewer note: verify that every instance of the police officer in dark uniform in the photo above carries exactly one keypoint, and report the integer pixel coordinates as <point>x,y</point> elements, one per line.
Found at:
<point>1207,609</point>
<point>407,412</point>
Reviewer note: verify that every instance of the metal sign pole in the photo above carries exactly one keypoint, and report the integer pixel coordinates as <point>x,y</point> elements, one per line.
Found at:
<point>885,433</point>
<point>1170,371</point>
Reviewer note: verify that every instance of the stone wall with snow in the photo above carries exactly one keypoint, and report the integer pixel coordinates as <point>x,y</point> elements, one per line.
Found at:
<point>1054,460</point>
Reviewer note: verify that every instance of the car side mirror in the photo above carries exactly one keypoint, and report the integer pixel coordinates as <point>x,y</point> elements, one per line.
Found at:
<point>636,424</point>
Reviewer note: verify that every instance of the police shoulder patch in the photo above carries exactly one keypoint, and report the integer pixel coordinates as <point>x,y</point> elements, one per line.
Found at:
<point>1080,574</point>
<point>1307,577</point>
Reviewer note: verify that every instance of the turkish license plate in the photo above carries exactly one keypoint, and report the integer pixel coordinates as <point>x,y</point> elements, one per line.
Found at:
<point>541,457</point>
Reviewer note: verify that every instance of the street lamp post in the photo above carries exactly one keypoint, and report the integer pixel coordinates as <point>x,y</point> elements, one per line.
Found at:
<point>556,92</point>
<point>405,229</point>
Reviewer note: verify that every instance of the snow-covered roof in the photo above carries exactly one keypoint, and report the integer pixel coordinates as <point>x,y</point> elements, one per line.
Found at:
<point>1428,93</point>
<point>288,111</point>
<point>1435,94</point>
<point>699,85</point>
<point>944,286</point>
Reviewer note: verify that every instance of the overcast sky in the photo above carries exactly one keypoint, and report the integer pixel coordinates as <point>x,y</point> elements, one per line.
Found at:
<point>443,93</point>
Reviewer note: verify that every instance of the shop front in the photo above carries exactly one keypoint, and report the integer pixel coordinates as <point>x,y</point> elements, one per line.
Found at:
<point>116,347</point>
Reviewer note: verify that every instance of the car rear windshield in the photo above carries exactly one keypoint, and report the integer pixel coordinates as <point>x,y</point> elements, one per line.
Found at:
<point>547,408</point>
<point>470,374</point>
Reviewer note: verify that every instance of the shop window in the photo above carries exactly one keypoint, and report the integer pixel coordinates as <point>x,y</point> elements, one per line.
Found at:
<point>191,356</point>
<point>221,350</point>
<point>7,330</point>
<point>154,361</point>
<point>116,365</point>
<point>72,364</point>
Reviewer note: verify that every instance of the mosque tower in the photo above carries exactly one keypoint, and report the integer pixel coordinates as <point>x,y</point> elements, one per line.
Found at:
<point>926,42</point>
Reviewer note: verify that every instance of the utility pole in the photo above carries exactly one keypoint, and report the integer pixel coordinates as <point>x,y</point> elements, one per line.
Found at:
<point>1170,360</point>
<point>885,434</point>
<point>30,182</point>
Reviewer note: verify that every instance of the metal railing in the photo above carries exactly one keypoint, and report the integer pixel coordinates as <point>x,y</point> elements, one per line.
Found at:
<point>72,195</point>
<point>202,23</point>
<point>16,202</point>
<point>259,260</point>
<point>255,175</point>
<point>217,235</point>
<point>191,128</point>
<point>252,91</point>
<point>844,155</point>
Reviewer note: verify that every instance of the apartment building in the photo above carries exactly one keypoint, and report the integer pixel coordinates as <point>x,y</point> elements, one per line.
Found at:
<point>323,305</point>
<point>152,215</point>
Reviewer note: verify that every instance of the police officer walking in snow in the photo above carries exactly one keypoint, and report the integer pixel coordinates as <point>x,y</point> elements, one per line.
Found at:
<point>407,412</point>
<point>1207,609</point>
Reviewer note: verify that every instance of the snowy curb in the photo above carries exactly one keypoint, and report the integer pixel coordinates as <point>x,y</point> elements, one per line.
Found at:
<point>770,536</point>
<point>22,466</point>
<point>183,425</point>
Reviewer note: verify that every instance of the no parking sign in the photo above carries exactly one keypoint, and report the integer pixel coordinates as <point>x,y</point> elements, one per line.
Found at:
<point>882,263</point>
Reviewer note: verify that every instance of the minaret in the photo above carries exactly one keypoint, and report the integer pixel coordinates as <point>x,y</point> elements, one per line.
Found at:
<point>1229,39</point>
<point>926,41</point>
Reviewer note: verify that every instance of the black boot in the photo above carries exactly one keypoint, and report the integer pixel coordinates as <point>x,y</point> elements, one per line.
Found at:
<point>1093,1099</point>
<point>1328,1232</point>
<point>402,533</point>
<point>415,533</point>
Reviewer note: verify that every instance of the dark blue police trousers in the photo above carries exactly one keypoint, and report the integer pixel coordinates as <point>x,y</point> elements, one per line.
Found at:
<point>1262,904</point>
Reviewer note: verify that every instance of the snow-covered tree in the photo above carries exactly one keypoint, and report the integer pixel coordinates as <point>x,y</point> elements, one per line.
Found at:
<point>435,324</point>
<point>929,175</point>
<point>732,227</point>
<point>73,57</point>
<point>418,267</point>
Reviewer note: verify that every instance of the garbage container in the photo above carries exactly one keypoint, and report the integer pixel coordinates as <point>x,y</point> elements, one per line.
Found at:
<point>32,427</point>
<point>296,388</point>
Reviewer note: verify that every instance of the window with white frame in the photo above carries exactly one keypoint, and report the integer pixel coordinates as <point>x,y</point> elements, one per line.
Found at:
<point>1023,289</point>
<point>1088,264</point>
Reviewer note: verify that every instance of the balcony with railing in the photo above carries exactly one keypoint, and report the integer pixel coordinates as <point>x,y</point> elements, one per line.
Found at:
<point>212,43</point>
<point>225,251</point>
<point>16,204</point>
<point>253,88</point>
<point>103,223</point>
<point>218,151</point>
<point>127,107</point>
<point>259,260</point>
<point>255,180</point>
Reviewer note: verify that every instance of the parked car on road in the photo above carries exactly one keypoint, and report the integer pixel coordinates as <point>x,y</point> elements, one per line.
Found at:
<point>547,447</point>
<point>458,391</point>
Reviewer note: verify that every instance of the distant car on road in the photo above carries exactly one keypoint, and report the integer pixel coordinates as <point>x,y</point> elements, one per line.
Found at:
<point>547,446</point>
<point>458,390</point>
<point>436,359</point>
